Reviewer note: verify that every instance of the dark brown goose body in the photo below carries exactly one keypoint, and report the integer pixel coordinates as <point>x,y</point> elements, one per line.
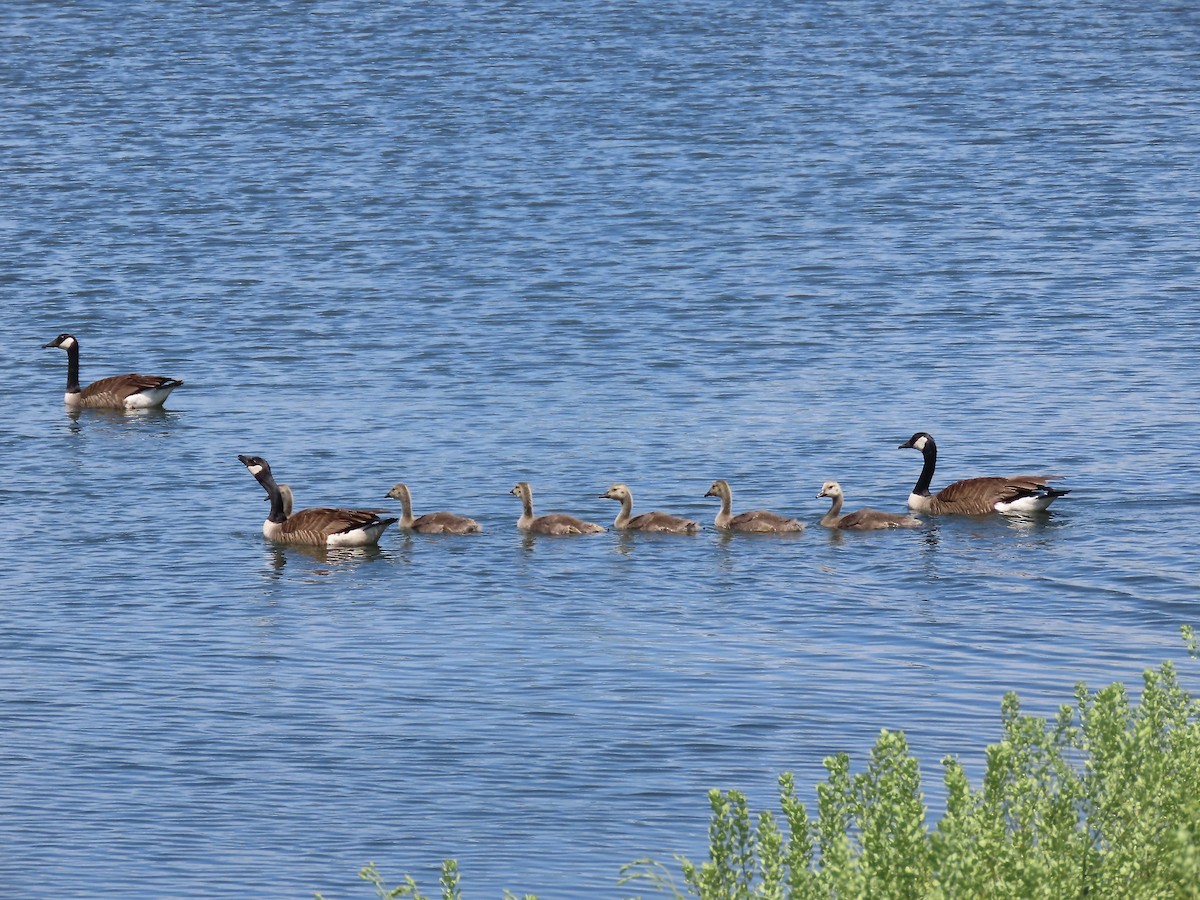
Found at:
<point>130,391</point>
<point>977,496</point>
<point>318,526</point>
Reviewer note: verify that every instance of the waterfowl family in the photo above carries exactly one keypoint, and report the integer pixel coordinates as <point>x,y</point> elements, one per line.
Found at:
<point>759,521</point>
<point>865,519</point>
<point>554,523</point>
<point>130,391</point>
<point>651,521</point>
<point>976,496</point>
<point>318,526</point>
<point>430,523</point>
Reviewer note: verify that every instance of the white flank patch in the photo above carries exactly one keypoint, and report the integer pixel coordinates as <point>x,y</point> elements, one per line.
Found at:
<point>359,537</point>
<point>148,399</point>
<point>1025,505</point>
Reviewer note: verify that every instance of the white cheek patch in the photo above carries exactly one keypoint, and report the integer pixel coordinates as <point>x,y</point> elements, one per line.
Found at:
<point>255,470</point>
<point>68,343</point>
<point>920,443</point>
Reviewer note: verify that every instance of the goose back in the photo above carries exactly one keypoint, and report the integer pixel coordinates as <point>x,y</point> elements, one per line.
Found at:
<point>329,527</point>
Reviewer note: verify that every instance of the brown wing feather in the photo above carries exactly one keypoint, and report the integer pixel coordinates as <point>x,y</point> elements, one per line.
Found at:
<point>763,520</point>
<point>445,523</point>
<point>562,523</point>
<point>121,387</point>
<point>326,520</point>
<point>660,521</point>
<point>868,519</point>
<point>980,495</point>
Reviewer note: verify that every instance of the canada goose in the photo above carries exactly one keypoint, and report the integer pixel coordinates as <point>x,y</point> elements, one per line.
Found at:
<point>430,523</point>
<point>651,521</point>
<point>863,519</point>
<point>976,496</point>
<point>759,520</point>
<point>554,523</point>
<point>117,392</point>
<point>319,526</point>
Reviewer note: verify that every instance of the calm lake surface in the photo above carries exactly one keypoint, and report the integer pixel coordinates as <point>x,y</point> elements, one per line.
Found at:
<point>463,245</point>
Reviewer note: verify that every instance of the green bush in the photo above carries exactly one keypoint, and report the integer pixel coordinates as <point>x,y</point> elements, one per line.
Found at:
<point>1102,801</point>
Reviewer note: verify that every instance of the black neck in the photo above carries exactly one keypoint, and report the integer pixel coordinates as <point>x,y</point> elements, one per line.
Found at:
<point>926,479</point>
<point>73,369</point>
<point>277,514</point>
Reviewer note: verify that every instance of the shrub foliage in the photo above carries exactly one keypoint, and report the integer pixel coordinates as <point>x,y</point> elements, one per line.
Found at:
<point>1101,801</point>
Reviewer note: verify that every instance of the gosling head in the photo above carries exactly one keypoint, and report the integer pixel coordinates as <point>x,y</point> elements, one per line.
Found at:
<point>719,488</point>
<point>617,492</point>
<point>830,489</point>
<point>399,491</point>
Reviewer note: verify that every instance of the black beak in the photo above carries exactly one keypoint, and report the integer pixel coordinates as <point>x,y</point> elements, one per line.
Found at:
<point>51,344</point>
<point>907,445</point>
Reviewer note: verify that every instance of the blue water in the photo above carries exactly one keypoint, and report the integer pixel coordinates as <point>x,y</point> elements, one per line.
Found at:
<point>466,245</point>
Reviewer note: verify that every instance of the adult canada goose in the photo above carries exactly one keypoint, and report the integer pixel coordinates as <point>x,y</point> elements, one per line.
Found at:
<point>117,392</point>
<point>758,521</point>
<point>319,526</point>
<point>861,519</point>
<point>977,496</point>
<point>651,521</point>
<point>430,523</point>
<point>554,523</point>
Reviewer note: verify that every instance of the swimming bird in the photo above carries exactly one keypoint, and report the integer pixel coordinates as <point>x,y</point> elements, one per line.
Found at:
<point>430,523</point>
<point>977,496</point>
<point>319,526</point>
<point>651,521</point>
<point>130,391</point>
<point>554,523</point>
<point>861,519</point>
<point>756,521</point>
